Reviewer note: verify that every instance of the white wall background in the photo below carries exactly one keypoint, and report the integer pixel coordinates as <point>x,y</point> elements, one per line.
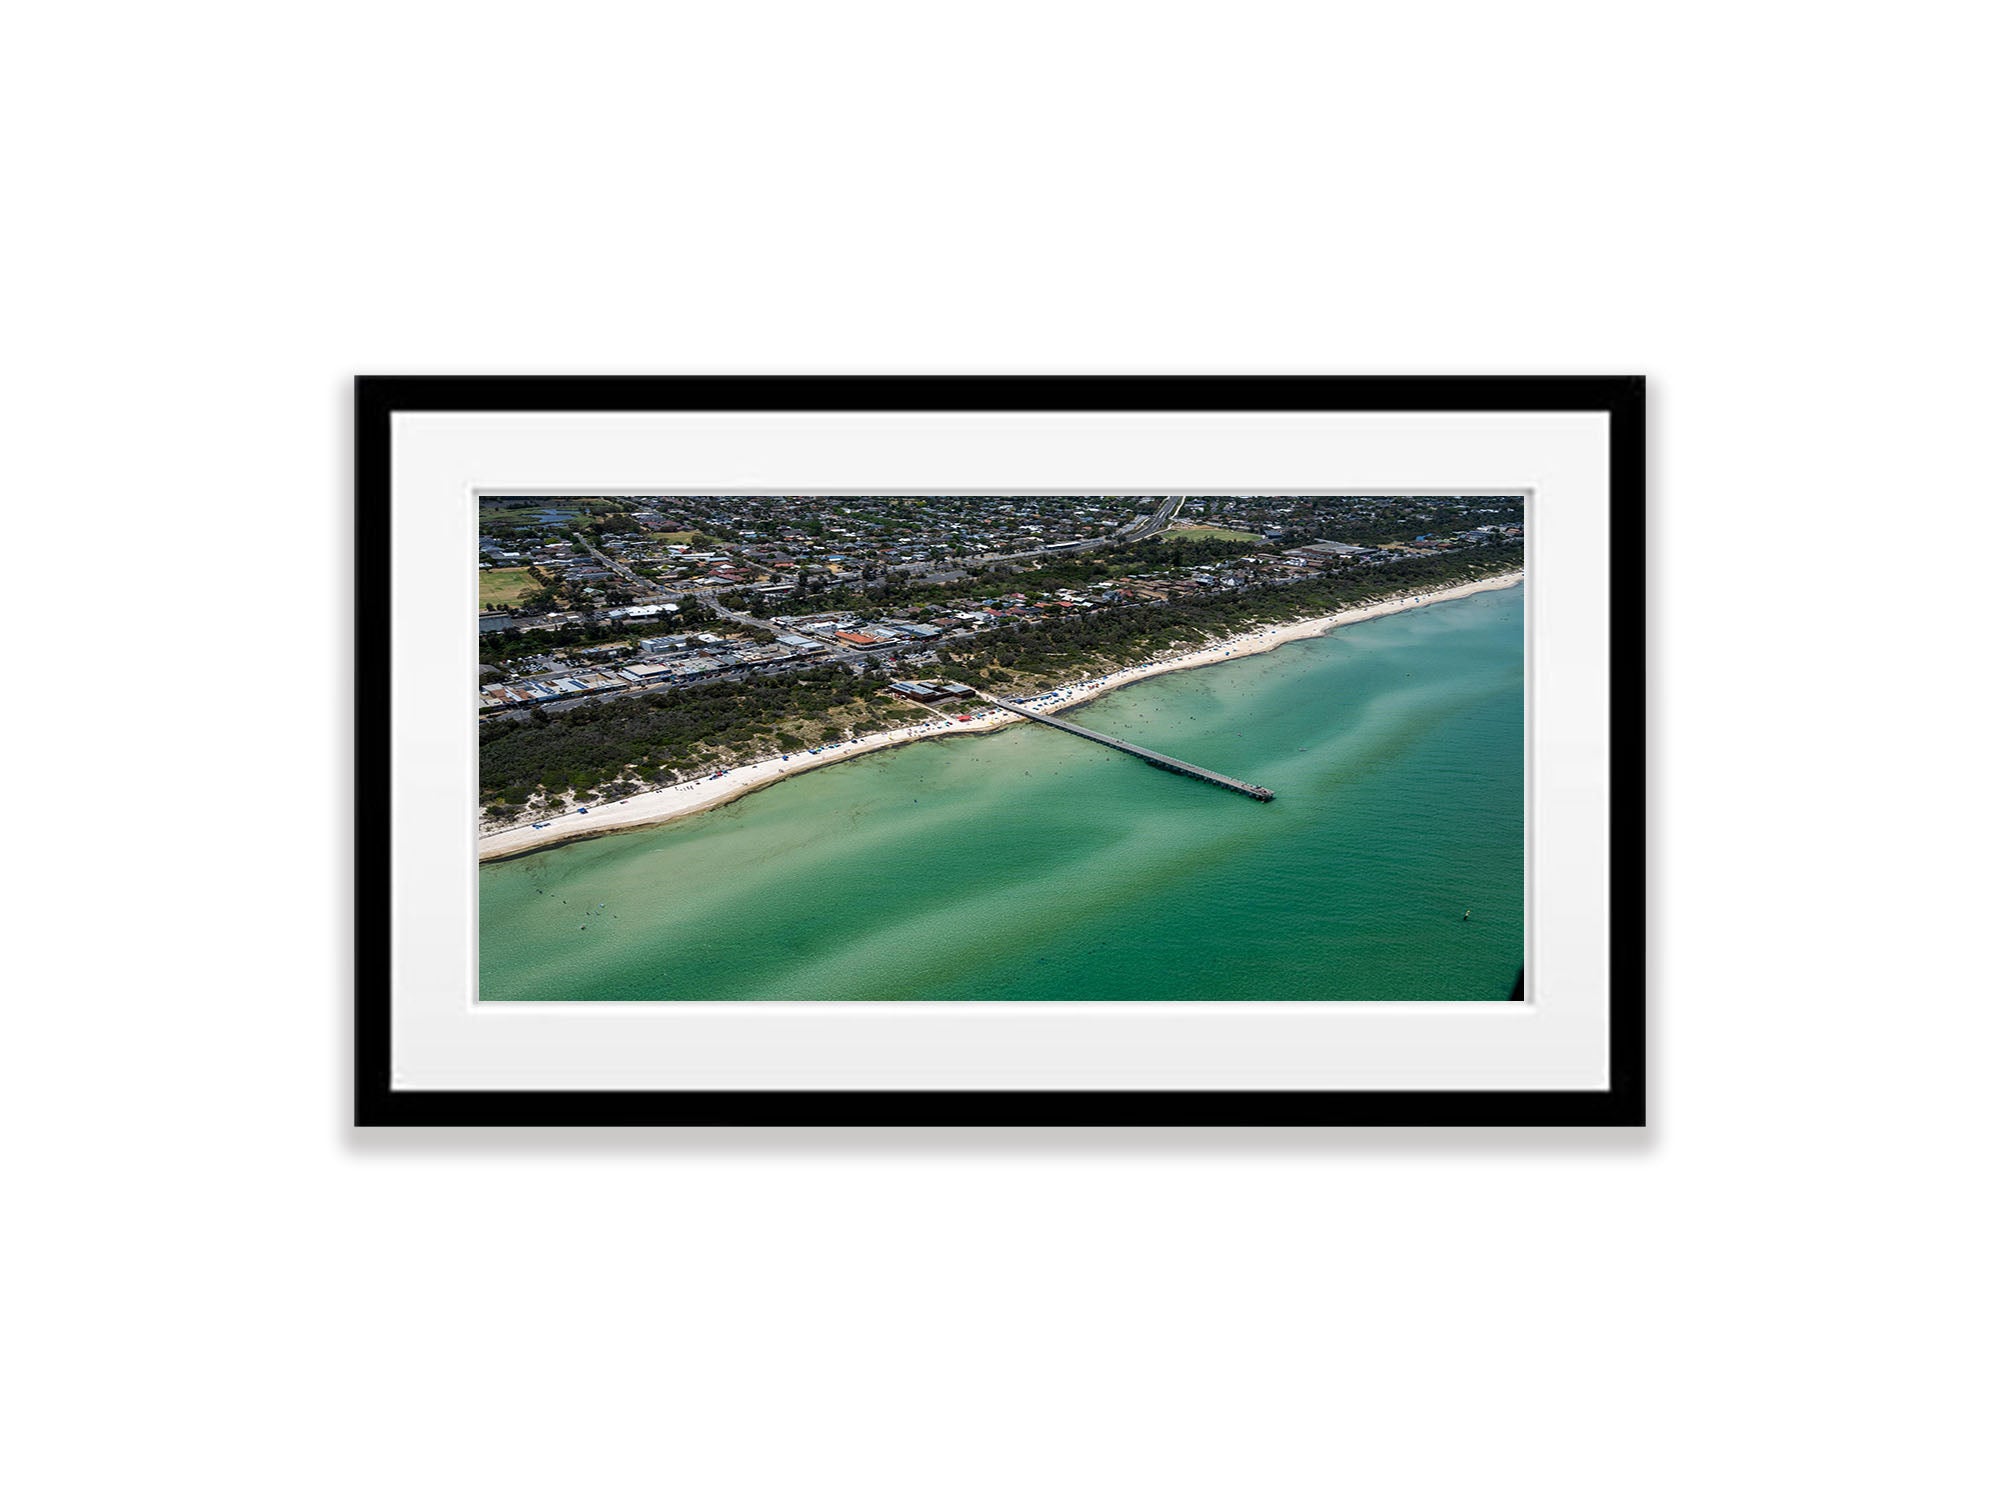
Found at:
<point>220,212</point>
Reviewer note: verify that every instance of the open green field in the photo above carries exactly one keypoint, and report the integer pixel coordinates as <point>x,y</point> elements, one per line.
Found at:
<point>1213,534</point>
<point>504,586</point>
<point>675,538</point>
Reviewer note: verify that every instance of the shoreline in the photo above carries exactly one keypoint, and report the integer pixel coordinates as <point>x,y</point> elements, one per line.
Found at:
<point>652,808</point>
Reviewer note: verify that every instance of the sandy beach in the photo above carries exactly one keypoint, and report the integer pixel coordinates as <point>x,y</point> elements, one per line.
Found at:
<point>645,809</point>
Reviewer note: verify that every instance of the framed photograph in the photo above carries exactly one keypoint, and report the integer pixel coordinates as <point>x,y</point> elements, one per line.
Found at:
<point>937,751</point>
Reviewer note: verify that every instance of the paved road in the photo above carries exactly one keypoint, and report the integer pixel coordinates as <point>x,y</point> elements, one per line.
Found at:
<point>1159,520</point>
<point>1131,531</point>
<point>641,585</point>
<point>834,650</point>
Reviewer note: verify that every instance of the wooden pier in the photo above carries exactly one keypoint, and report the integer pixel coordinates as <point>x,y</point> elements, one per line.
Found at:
<point>1152,757</point>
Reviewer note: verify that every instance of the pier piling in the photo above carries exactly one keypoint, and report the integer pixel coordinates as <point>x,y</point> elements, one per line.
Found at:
<point>1152,757</point>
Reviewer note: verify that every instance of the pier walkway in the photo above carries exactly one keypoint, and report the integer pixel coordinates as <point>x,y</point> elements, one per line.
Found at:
<point>1167,762</point>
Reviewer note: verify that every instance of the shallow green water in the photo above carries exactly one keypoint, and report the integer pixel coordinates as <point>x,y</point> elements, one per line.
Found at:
<point>1033,865</point>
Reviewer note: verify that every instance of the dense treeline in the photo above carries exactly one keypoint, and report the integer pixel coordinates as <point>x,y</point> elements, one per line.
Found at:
<point>1032,655</point>
<point>659,738</point>
<point>1168,550</point>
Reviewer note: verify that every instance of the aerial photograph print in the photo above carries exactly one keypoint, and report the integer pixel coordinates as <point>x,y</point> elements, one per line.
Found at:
<point>1192,748</point>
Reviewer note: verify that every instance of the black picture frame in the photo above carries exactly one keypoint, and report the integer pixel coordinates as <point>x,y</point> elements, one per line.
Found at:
<point>377,399</point>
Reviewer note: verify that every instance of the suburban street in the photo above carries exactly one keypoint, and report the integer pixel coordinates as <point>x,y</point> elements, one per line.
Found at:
<point>1136,530</point>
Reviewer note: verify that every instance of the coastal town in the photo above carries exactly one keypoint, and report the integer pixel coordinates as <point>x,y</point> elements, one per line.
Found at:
<point>643,642</point>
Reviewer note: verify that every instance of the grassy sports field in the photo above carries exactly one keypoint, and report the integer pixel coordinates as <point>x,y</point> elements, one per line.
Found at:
<point>503,586</point>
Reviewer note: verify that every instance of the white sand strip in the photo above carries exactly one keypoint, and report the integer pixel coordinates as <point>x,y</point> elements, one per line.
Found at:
<point>644,809</point>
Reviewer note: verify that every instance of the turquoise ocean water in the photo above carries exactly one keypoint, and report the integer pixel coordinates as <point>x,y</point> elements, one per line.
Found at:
<point>1033,865</point>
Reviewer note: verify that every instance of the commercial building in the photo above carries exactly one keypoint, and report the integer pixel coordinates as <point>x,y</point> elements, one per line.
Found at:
<point>650,671</point>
